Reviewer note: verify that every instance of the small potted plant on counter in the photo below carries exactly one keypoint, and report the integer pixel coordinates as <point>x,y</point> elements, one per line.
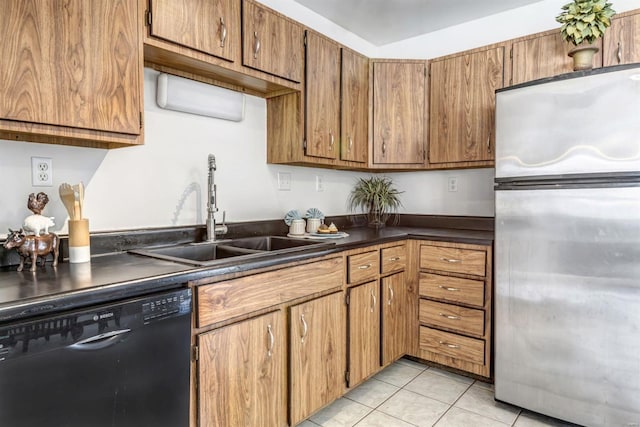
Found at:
<point>584,22</point>
<point>377,197</point>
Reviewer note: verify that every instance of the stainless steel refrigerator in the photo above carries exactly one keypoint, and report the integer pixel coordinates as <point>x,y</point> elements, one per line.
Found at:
<point>567,249</point>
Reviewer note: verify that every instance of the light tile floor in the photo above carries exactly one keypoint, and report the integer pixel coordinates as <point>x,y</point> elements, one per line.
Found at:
<point>411,394</point>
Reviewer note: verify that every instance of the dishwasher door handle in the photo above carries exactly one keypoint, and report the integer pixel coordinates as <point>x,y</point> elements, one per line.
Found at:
<point>98,342</point>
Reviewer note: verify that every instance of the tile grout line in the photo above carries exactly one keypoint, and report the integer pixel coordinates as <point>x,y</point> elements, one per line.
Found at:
<point>454,402</point>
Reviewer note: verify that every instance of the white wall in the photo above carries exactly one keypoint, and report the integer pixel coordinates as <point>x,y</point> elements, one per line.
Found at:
<point>507,25</point>
<point>163,182</point>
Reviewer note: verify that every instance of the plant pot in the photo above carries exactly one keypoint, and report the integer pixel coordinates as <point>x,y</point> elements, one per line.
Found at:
<point>583,57</point>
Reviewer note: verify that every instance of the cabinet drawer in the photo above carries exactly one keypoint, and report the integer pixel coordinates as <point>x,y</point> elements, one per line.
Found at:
<point>461,319</point>
<point>363,266</point>
<point>455,260</point>
<point>452,289</point>
<point>393,258</point>
<point>452,345</point>
<point>232,298</point>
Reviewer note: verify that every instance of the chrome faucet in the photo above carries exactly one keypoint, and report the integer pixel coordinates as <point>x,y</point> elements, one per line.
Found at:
<point>212,205</point>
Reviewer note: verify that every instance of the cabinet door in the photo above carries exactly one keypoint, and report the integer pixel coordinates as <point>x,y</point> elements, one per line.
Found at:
<point>544,56</point>
<point>398,112</point>
<point>355,107</point>
<point>322,99</point>
<point>241,374</point>
<point>317,354</point>
<point>73,63</point>
<point>397,318</point>
<point>461,124</point>
<point>622,40</point>
<point>364,331</point>
<point>209,26</point>
<point>271,43</point>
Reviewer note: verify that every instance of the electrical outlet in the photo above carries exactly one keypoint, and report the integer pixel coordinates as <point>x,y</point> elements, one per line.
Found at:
<point>284,181</point>
<point>319,183</point>
<point>453,184</point>
<point>41,172</point>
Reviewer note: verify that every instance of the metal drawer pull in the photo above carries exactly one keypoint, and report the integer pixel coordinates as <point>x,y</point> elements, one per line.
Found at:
<point>223,32</point>
<point>489,143</point>
<point>390,294</point>
<point>619,53</point>
<point>449,316</point>
<point>373,297</point>
<point>332,140</point>
<point>446,288</point>
<point>395,258</point>
<point>256,45</point>
<point>364,267</point>
<point>350,144</point>
<point>271,341</point>
<point>451,260</point>
<point>305,328</point>
<point>384,147</point>
<point>448,345</point>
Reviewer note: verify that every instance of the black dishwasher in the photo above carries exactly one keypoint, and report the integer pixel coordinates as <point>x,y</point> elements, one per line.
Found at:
<point>122,364</point>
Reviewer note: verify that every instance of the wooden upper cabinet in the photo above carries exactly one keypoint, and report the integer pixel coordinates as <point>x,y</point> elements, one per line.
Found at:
<point>209,26</point>
<point>622,40</point>
<point>322,100</point>
<point>75,64</point>
<point>355,107</point>
<point>398,112</point>
<point>271,42</point>
<point>462,107</point>
<point>544,56</point>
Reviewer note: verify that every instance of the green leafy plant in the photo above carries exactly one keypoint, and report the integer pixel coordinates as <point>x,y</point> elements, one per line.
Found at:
<point>585,20</point>
<point>377,197</point>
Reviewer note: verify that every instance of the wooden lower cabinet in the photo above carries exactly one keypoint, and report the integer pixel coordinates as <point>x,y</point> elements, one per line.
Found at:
<point>455,289</point>
<point>242,373</point>
<point>317,350</point>
<point>397,317</point>
<point>364,331</point>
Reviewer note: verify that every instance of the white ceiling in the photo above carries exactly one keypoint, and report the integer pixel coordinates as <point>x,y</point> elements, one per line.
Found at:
<point>386,21</point>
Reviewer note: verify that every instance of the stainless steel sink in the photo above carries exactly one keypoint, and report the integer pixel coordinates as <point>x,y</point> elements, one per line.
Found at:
<point>270,243</point>
<point>212,253</point>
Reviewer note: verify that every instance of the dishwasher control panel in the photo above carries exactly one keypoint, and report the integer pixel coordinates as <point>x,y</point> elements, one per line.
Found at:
<point>165,306</point>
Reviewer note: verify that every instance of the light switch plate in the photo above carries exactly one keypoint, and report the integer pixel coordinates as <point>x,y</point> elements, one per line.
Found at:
<point>284,181</point>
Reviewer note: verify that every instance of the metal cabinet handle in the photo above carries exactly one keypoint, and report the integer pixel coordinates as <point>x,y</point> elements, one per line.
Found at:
<point>451,260</point>
<point>395,258</point>
<point>305,328</point>
<point>223,32</point>
<point>331,140</point>
<point>373,301</point>
<point>449,316</point>
<point>619,52</point>
<point>446,288</point>
<point>256,45</point>
<point>364,267</point>
<point>271,341</point>
<point>390,294</point>
<point>350,144</point>
<point>384,147</point>
<point>489,143</point>
<point>448,345</point>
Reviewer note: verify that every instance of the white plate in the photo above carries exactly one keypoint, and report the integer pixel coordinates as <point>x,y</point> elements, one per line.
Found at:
<point>338,235</point>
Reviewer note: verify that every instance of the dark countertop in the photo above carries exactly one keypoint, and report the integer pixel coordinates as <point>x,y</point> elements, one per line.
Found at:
<point>116,276</point>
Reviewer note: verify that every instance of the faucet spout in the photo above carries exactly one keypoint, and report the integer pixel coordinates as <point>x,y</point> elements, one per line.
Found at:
<point>212,203</point>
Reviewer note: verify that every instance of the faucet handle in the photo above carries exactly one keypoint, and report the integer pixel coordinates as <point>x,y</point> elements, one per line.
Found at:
<point>222,228</point>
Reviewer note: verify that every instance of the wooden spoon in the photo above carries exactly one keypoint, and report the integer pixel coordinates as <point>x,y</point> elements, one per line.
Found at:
<point>67,197</point>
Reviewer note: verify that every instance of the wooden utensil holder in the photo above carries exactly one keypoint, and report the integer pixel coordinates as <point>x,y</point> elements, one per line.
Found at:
<point>79,244</point>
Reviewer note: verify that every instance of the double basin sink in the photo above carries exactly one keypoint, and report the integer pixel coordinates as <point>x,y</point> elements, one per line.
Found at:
<point>213,253</point>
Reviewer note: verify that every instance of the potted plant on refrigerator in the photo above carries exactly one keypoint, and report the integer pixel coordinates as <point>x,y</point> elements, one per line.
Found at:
<point>377,197</point>
<point>584,22</point>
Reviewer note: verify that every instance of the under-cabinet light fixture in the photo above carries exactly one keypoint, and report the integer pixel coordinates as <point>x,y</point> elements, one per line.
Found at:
<point>189,96</point>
